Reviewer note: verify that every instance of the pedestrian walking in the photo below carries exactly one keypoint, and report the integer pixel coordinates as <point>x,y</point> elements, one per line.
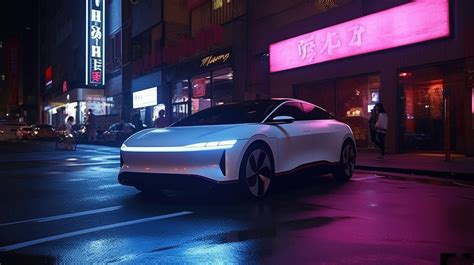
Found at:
<point>91,126</point>
<point>381,128</point>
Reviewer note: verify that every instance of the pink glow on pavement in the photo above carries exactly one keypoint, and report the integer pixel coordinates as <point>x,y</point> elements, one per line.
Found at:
<point>418,21</point>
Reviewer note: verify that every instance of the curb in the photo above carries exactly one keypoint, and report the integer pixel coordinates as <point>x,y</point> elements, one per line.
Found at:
<point>439,174</point>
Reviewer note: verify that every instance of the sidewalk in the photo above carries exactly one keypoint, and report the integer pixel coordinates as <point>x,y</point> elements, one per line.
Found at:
<point>430,164</point>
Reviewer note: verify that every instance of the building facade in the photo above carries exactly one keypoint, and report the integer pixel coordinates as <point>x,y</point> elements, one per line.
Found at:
<point>187,56</point>
<point>182,56</point>
<point>415,57</point>
<point>72,54</point>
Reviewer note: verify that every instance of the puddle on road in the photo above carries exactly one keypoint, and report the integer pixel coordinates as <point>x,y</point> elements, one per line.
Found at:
<point>255,233</point>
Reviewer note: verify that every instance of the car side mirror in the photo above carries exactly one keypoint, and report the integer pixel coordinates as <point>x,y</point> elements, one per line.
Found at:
<point>282,119</point>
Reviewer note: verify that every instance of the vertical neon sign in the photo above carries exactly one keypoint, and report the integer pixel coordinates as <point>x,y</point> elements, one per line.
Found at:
<point>95,42</point>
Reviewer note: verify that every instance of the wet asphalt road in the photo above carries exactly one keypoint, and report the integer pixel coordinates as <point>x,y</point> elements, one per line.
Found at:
<point>67,207</point>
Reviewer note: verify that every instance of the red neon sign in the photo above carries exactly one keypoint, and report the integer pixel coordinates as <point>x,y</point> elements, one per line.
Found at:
<point>417,21</point>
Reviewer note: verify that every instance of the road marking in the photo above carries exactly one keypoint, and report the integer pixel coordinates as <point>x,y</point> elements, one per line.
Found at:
<point>368,178</point>
<point>91,164</point>
<point>90,230</point>
<point>464,185</point>
<point>109,186</point>
<point>64,216</point>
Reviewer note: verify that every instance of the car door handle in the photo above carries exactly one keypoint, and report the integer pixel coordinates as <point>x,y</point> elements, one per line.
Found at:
<point>306,131</point>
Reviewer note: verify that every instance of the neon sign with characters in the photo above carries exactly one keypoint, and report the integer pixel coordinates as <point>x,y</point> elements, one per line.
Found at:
<point>95,42</point>
<point>416,21</point>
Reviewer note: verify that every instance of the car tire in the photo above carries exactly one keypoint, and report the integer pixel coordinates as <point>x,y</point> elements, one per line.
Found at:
<point>256,171</point>
<point>345,169</point>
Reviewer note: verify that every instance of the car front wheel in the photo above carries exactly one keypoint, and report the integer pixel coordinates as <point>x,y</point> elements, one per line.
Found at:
<point>256,171</point>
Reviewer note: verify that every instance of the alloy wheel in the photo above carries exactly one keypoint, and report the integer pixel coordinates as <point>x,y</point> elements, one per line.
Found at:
<point>348,159</point>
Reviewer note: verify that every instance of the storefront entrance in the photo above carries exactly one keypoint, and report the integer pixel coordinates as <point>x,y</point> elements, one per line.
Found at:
<point>349,99</point>
<point>432,104</point>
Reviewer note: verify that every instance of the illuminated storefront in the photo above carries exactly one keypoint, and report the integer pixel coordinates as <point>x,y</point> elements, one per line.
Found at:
<point>416,65</point>
<point>74,104</point>
<point>201,83</point>
<point>148,97</point>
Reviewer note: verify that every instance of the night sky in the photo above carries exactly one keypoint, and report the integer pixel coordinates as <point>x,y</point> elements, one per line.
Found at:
<point>16,16</point>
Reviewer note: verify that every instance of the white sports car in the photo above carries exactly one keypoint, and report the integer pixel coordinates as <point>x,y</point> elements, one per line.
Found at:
<point>248,142</point>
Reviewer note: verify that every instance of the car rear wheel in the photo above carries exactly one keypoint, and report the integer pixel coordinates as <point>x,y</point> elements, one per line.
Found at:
<point>256,171</point>
<point>345,169</point>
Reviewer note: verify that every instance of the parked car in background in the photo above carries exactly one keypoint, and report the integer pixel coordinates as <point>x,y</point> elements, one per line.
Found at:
<point>24,133</point>
<point>118,132</point>
<point>44,132</point>
<point>9,129</point>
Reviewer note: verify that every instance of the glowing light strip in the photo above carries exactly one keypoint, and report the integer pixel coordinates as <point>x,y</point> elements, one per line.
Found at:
<point>87,42</point>
<point>187,148</point>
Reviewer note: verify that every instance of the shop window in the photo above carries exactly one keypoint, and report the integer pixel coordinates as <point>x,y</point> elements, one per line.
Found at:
<point>114,105</point>
<point>355,99</point>
<point>424,115</point>
<point>350,100</point>
<point>222,82</point>
<point>180,100</point>
<point>201,92</point>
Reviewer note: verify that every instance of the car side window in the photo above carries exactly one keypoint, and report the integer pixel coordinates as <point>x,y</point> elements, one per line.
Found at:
<point>315,113</point>
<point>292,109</point>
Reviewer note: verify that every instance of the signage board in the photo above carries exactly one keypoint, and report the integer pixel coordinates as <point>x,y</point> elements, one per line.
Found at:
<point>413,22</point>
<point>199,87</point>
<point>145,98</point>
<point>95,43</point>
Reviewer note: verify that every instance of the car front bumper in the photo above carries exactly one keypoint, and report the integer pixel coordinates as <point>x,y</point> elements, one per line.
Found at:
<point>178,168</point>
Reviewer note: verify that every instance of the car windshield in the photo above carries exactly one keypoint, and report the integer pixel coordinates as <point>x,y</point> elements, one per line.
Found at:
<point>244,112</point>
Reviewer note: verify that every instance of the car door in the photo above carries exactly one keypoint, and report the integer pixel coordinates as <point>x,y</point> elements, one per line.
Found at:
<point>326,136</point>
<point>295,140</point>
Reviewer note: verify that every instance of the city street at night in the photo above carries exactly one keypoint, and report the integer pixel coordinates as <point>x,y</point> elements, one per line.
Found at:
<point>67,207</point>
<point>237,132</point>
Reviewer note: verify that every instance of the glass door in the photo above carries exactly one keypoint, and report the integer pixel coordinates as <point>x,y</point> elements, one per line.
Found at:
<point>431,105</point>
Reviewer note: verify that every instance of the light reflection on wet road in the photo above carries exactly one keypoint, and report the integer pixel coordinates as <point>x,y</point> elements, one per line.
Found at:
<point>66,207</point>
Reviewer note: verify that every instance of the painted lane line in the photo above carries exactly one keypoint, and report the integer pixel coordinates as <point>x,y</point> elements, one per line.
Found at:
<point>65,216</point>
<point>368,178</point>
<point>464,185</point>
<point>90,230</point>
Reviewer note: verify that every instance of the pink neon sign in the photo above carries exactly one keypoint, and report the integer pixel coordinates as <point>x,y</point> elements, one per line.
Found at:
<point>417,21</point>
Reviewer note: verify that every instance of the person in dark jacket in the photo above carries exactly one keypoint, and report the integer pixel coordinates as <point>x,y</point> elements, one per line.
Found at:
<point>137,122</point>
<point>91,126</point>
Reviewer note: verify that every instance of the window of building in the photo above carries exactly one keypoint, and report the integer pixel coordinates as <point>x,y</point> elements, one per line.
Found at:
<point>180,100</point>
<point>216,4</point>
<point>114,105</point>
<point>349,100</point>
<point>201,92</point>
<point>200,18</point>
<point>425,117</point>
<point>222,86</point>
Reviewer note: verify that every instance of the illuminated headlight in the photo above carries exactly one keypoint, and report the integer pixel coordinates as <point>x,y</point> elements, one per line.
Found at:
<point>220,144</point>
<point>192,147</point>
<point>36,132</point>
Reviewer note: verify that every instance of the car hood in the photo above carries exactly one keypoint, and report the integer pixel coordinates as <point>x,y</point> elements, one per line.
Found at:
<point>186,135</point>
